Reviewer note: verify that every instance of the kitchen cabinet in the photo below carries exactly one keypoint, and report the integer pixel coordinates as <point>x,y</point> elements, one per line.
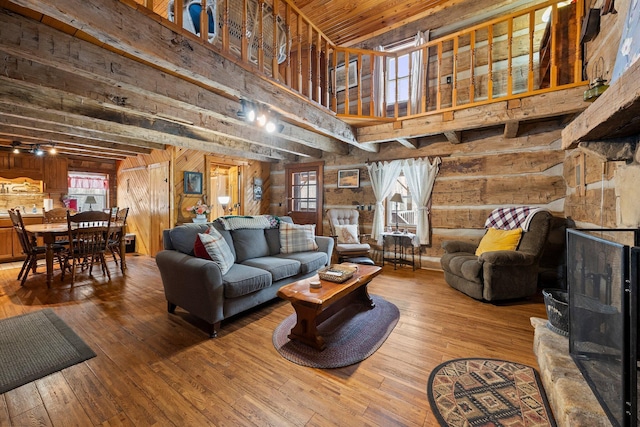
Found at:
<point>10,248</point>
<point>7,236</point>
<point>21,165</point>
<point>55,175</point>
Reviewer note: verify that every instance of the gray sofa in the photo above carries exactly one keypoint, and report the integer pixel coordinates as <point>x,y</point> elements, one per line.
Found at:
<point>259,270</point>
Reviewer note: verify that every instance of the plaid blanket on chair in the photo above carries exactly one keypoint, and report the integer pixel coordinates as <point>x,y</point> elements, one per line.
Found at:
<point>511,218</point>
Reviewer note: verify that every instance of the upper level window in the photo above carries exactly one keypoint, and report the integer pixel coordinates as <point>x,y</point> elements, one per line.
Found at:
<point>405,213</point>
<point>398,77</point>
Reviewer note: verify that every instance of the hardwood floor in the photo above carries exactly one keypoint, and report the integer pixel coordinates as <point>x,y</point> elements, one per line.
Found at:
<point>153,368</point>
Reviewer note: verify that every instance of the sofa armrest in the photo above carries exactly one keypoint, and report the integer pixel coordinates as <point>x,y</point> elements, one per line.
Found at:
<point>509,258</point>
<point>326,244</point>
<point>453,246</point>
<point>192,283</point>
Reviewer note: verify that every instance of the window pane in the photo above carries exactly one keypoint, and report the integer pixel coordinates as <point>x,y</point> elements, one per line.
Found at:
<point>304,190</point>
<point>406,211</point>
<point>403,89</point>
<point>391,68</point>
<point>391,92</point>
<point>403,66</point>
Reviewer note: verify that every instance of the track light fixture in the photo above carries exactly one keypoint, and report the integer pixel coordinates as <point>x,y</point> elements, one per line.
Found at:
<point>18,147</point>
<point>261,116</point>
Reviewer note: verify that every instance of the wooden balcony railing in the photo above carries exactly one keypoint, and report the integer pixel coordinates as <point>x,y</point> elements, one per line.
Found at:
<point>513,56</point>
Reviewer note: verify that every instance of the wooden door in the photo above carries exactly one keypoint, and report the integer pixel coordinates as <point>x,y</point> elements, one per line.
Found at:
<point>159,206</point>
<point>304,193</point>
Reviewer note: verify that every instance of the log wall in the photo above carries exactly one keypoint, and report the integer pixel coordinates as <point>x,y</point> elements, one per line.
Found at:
<point>484,172</point>
<point>595,205</point>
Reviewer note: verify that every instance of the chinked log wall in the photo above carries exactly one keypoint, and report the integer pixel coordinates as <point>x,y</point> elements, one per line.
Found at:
<point>484,172</point>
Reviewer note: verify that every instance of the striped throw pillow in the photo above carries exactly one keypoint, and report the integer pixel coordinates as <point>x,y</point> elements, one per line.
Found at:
<point>216,249</point>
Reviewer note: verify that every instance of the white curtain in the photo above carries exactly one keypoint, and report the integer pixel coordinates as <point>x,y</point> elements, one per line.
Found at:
<point>417,72</point>
<point>383,179</point>
<point>420,176</point>
<point>378,83</point>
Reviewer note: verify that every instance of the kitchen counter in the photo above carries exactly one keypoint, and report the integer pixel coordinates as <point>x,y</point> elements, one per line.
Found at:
<point>5,214</point>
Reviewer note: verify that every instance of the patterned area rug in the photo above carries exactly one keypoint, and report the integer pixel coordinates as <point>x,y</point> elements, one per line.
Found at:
<point>37,344</point>
<point>351,336</point>
<point>488,392</point>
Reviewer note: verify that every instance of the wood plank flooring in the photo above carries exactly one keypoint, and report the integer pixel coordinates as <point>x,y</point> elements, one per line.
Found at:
<point>153,368</point>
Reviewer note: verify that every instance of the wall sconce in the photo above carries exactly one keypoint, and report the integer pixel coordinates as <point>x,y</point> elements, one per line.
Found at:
<point>224,201</point>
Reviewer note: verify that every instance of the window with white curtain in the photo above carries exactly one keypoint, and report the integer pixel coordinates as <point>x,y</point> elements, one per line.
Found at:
<point>406,211</point>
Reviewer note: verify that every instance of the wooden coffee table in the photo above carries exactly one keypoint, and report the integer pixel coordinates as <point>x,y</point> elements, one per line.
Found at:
<point>314,306</point>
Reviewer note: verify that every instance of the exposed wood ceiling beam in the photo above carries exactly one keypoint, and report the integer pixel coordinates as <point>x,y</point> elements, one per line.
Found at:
<point>143,38</point>
<point>454,137</point>
<point>114,118</point>
<point>511,129</point>
<point>171,97</point>
<point>91,128</point>
<point>413,144</point>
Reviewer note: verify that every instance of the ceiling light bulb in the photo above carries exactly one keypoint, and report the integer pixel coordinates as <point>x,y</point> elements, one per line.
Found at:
<point>262,119</point>
<point>270,127</point>
<point>39,151</point>
<point>16,150</point>
<point>251,115</point>
<point>53,150</point>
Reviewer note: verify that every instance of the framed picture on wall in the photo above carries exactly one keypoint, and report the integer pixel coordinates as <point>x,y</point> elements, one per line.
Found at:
<point>192,183</point>
<point>349,178</point>
<point>340,76</point>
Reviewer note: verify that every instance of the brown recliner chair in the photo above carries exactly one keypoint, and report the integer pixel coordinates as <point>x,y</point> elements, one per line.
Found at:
<point>346,250</point>
<point>497,275</point>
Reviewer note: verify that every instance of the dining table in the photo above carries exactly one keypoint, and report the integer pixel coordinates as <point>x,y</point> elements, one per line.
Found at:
<point>49,232</point>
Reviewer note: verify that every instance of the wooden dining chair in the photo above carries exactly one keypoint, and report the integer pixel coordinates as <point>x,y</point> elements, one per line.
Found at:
<point>88,233</point>
<point>116,234</point>
<point>57,216</point>
<point>30,248</point>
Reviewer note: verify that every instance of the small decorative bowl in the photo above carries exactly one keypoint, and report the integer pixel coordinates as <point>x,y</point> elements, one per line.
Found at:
<point>315,284</point>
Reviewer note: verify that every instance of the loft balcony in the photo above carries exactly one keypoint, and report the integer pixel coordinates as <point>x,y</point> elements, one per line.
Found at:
<point>528,52</point>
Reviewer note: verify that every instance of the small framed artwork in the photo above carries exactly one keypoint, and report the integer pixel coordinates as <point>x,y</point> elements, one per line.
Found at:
<point>340,76</point>
<point>349,178</point>
<point>192,183</point>
<point>257,189</point>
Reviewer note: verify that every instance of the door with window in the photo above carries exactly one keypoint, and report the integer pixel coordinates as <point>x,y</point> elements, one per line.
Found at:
<point>304,193</point>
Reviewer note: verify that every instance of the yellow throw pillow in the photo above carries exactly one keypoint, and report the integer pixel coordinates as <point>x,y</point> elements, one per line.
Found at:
<point>499,240</point>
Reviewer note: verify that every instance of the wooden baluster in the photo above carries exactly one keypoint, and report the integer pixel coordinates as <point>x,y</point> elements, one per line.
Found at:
<point>532,26</point>
<point>472,67</point>
<point>554,64</point>
<point>490,62</point>
<point>225,26</point>
<point>454,76</point>
<point>510,56</point>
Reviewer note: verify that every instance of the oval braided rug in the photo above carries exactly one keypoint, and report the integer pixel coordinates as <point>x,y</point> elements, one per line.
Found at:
<point>351,336</point>
<point>488,392</point>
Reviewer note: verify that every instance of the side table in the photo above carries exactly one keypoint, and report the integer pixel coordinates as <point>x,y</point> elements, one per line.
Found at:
<point>397,243</point>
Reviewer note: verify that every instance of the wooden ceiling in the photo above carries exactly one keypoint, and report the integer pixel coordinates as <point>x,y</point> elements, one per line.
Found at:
<point>346,22</point>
